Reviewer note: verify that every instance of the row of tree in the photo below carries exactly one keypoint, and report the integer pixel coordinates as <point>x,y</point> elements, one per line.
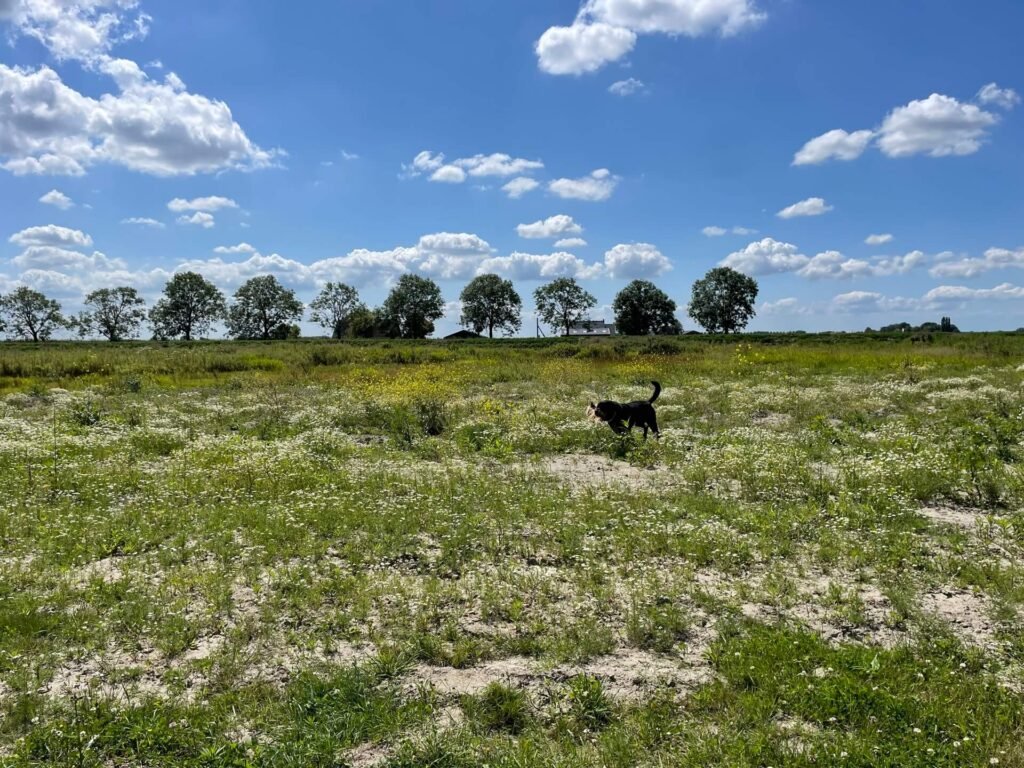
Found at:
<point>262,308</point>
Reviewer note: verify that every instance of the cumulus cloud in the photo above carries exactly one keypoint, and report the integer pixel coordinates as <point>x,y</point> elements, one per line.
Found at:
<point>596,187</point>
<point>993,259</point>
<point>571,242</point>
<point>47,127</point>
<point>48,257</point>
<point>786,306</point>
<point>959,293</point>
<point>582,47</point>
<point>833,265</point>
<point>635,261</point>
<point>714,231</point>
<point>199,219</point>
<point>626,87</point>
<point>449,174</point>
<point>812,206</point>
<point>743,231</point>
<point>765,257</point>
<point>878,239</point>
<point>553,226</point>
<point>51,234</point>
<point>208,204</point>
<point>532,266</point>
<point>836,144</point>
<point>1006,98</point>
<point>606,30</point>
<point>57,199</point>
<point>240,248</point>
<point>143,221</point>
<point>520,186</point>
<point>938,126</point>
<point>457,171</point>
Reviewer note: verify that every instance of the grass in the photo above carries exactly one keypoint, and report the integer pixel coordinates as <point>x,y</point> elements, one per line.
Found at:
<point>387,553</point>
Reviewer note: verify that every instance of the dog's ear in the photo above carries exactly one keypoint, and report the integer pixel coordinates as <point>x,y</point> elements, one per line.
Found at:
<point>592,404</point>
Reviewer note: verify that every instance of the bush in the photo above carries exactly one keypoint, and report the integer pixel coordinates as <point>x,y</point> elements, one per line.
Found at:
<point>499,708</point>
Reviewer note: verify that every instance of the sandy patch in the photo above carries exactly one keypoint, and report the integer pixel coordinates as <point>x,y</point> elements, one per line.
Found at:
<point>966,613</point>
<point>958,516</point>
<point>578,470</point>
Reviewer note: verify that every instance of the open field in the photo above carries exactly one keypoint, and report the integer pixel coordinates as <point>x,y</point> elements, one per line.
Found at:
<point>412,554</point>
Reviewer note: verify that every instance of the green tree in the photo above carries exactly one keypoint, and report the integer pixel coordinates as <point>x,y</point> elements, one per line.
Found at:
<point>641,309</point>
<point>115,313</point>
<point>412,307</point>
<point>562,303</point>
<point>261,306</point>
<point>30,315</point>
<point>489,302</point>
<point>723,300</point>
<point>190,305</point>
<point>334,307</point>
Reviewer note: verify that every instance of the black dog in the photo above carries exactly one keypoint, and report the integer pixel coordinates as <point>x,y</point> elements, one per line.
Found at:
<point>622,417</point>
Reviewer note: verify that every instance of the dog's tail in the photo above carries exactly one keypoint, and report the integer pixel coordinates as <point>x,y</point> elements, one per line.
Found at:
<point>657,391</point>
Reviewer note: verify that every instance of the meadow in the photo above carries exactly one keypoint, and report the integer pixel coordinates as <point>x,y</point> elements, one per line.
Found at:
<point>315,553</point>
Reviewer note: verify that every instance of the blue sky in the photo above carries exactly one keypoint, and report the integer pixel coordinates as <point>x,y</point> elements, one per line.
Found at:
<point>355,140</point>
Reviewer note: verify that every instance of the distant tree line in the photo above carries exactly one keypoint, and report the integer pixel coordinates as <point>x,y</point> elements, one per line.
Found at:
<point>262,308</point>
<point>945,325</point>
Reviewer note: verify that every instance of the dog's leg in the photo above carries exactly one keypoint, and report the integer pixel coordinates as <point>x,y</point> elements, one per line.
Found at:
<point>654,427</point>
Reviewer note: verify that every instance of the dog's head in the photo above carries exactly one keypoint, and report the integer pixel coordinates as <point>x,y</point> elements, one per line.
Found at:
<point>596,413</point>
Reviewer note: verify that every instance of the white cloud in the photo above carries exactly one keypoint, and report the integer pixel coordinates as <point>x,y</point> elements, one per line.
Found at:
<point>48,257</point>
<point>1006,98</point>
<point>571,242</point>
<point>457,171</point>
<point>833,265</point>
<point>51,234</point>
<point>596,187</point>
<point>449,174</point>
<point>743,231</point>
<point>520,186</point>
<point>553,226</point>
<point>349,155</point>
<point>201,219</point>
<point>449,255</point>
<point>606,30</point>
<point>836,144</point>
<point>144,222</point>
<point>626,87</point>
<point>582,47</point>
<point>812,206</point>
<point>208,204</point>
<point>57,199</point>
<point>959,293</point>
<point>787,306</point>
<point>240,248</point>
<point>153,127</point>
<point>765,257</point>
<point>937,126</point>
<point>993,259</point>
<point>531,266</point>
<point>878,239</point>
<point>77,29</point>
<point>635,261</point>
<point>714,231</point>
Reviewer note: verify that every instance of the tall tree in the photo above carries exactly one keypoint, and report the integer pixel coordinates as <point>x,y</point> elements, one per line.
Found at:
<point>115,313</point>
<point>334,306</point>
<point>261,306</point>
<point>190,305</point>
<point>562,303</point>
<point>723,300</point>
<point>412,307</point>
<point>641,309</point>
<point>488,302</point>
<point>30,315</point>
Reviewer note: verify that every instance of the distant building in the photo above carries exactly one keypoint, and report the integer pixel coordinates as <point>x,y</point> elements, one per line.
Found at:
<point>592,328</point>
<point>463,334</point>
